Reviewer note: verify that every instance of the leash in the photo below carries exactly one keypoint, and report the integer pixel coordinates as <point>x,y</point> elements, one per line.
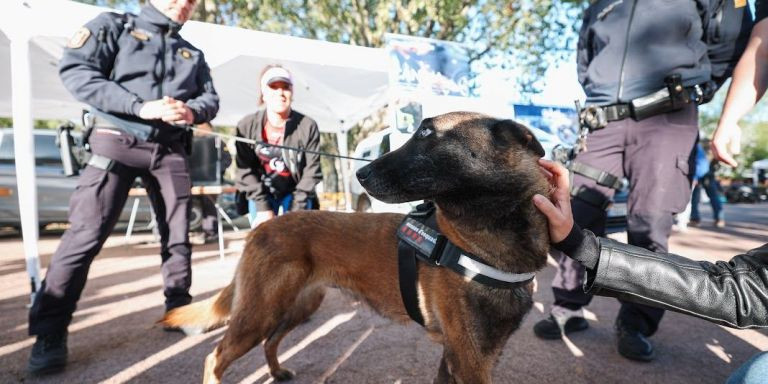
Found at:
<point>255,142</point>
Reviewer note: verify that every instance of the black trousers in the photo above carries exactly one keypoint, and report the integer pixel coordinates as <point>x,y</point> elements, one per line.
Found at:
<point>657,156</point>
<point>95,207</point>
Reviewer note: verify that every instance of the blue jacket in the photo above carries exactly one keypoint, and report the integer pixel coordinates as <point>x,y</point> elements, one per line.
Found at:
<point>117,62</point>
<point>702,163</point>
<point>627,47</point>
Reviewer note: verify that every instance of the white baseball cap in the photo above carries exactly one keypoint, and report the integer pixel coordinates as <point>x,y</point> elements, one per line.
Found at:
<point>274,75</point>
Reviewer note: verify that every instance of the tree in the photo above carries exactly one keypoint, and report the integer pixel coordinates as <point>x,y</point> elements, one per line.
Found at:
<point>530,33</point>
<point>754,138</point>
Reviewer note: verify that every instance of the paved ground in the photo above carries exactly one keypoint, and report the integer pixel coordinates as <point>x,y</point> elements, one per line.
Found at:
<point>113,340</point>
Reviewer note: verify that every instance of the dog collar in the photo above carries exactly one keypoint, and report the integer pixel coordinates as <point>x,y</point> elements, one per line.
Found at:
<point>420,240</point>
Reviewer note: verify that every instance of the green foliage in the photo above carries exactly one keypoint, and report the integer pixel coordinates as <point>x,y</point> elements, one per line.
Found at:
<point>529,34</point>
<point>754,127</point>
<point>7,122</point>
<point>754,145</point>
<point>331,178</point>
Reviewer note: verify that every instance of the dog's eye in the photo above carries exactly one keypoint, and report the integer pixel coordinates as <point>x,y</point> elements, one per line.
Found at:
<point>474,155</point>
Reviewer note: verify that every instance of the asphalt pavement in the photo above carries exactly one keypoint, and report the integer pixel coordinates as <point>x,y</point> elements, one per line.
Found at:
<point>113,338</point>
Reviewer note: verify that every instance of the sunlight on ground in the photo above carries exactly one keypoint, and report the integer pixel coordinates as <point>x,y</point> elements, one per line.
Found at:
<point>572,347</point>
<point>719,351</point>
<point>312,337</point>
<point>142,366</point>
<point>750,336</point>
<point>332,369</point>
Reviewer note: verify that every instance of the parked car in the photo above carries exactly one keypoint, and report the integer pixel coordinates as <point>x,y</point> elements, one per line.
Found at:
<point>372,147</point>
<point>54,188</point>
<point>745,193</point>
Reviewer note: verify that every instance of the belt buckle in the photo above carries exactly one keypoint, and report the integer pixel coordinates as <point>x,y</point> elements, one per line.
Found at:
<point>593,117</point>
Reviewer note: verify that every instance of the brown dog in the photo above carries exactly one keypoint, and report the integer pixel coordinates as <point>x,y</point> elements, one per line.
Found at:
<point>480,172</point>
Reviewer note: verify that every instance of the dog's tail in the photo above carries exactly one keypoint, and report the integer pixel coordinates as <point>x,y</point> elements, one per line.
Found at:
<point>202,316</point>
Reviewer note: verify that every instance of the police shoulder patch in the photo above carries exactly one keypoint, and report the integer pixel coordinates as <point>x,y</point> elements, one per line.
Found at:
<point>79,38</point>
<point>139,35</point>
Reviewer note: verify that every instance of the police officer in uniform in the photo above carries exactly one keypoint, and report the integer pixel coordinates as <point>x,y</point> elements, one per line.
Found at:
<point>645,66</point>
<point>144,84</point>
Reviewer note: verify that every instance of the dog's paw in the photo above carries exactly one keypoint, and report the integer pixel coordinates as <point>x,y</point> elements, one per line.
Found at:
<point>282,375</point>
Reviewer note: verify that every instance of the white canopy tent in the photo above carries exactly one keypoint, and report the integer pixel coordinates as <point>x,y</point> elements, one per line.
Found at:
<point>336,84</point>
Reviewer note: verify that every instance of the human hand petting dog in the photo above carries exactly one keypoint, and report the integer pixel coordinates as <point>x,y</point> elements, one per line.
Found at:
<point>558,209</point>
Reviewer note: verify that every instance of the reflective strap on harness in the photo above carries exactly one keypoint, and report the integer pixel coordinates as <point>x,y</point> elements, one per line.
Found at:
<point>601,177</point>
<point>418,239</point>
<point>101,162</point>
<point>481,269</point>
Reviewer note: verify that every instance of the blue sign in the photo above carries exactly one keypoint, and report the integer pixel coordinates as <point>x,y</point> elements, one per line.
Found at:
<point>440,67</point>
<point>559,121</point>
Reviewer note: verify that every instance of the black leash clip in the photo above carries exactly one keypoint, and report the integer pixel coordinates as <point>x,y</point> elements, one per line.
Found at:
<point>592,117</point>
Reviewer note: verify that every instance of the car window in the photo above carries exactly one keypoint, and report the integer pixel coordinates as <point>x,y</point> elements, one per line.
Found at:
<point>46,151</point>
<point>6,149</point>
<point>384,147</point>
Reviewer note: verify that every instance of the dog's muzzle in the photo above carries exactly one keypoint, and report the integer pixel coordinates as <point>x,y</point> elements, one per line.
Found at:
<point>363,173</point>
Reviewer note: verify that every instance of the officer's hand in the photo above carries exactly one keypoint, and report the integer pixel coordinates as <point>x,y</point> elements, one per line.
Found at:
<point>557,211</point>
<point>261,216</point>
<point>153,110</point>
<point>726,142</point>
<point>167,109</point>
<point>177,112</point>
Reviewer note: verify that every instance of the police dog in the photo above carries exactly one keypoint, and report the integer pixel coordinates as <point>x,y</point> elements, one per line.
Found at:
<point>481,174</point>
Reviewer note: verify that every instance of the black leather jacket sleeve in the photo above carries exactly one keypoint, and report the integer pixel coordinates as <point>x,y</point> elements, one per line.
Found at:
<point>732,293</point>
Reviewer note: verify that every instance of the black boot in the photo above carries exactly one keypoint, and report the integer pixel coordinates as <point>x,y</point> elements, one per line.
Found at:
<point>633,344</point>
<point>49,354</point>
<point>548,328</point>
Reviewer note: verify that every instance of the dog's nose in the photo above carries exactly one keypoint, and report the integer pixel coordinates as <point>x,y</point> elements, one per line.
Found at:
<point>363,173</point>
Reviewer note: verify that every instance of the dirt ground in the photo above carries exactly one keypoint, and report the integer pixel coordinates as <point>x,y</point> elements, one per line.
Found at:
<point>113,338</point>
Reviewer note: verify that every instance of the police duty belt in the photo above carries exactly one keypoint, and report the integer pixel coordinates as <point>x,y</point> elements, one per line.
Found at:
<point>418,239</point>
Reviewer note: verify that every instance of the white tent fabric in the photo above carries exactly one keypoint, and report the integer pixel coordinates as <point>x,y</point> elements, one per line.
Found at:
<point>336,84</point>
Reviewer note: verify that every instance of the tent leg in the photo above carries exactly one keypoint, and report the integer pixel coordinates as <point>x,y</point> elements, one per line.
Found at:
<point>24,148</point>
<point>131,220</point>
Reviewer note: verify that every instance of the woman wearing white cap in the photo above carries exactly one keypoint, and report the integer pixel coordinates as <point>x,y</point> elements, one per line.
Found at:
<point>274,179</point>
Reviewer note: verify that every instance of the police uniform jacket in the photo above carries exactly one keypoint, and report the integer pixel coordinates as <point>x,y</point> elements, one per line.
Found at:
<point>300,132</point>
<point>627,48</point>
<point>117,62</point>
<point>732,293</point>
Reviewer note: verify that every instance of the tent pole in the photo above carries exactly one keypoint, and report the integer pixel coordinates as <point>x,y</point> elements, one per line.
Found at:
<point>341,139</point>
<point>24,148</point>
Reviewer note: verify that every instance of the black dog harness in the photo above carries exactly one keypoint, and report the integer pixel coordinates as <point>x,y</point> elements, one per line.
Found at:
<point>419,239</point>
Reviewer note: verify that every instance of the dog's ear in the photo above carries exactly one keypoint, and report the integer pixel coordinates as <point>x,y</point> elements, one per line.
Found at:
<point>506,132</point>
